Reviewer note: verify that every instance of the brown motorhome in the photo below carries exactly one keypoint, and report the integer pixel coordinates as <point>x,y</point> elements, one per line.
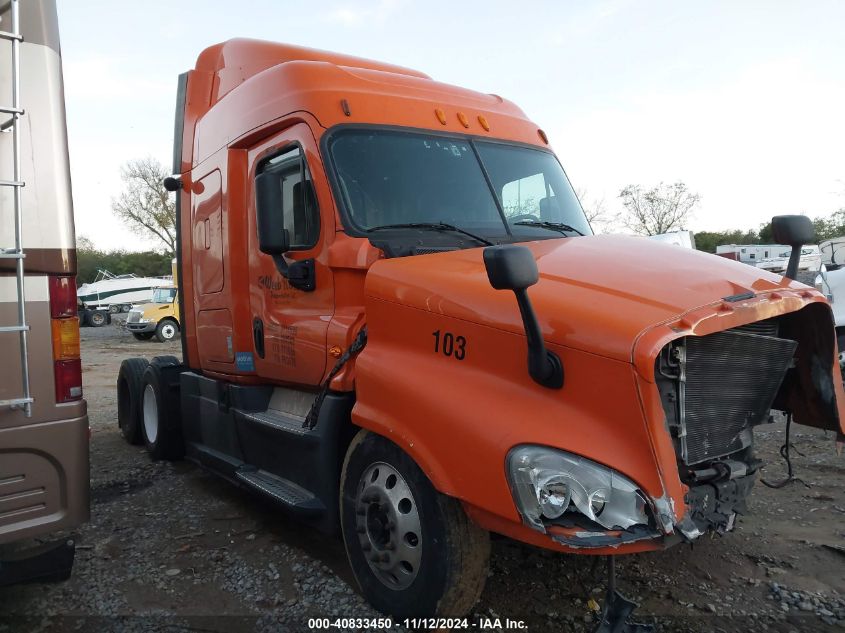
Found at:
<point>43,418</point>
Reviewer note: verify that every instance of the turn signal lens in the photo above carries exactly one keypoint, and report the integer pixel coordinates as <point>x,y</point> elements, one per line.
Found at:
<point>65,338</point>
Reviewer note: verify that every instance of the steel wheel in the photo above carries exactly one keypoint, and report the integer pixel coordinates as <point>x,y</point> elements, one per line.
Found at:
<point>149,407</point>
<point>97,319</point>
<point>388,526</point>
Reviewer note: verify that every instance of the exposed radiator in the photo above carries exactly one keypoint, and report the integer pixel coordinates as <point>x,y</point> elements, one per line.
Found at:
<point>731,379</point>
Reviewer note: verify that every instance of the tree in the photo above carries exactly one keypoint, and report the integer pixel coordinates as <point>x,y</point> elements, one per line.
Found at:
<point>595,210</point>
<point>658,210</point>
<point>145,205</point>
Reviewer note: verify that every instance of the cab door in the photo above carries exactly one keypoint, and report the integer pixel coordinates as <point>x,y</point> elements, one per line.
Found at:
<point>292,294</point>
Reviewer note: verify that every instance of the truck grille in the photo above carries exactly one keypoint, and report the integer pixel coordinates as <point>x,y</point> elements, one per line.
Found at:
<point>731,379</point>
<point>133,316</point>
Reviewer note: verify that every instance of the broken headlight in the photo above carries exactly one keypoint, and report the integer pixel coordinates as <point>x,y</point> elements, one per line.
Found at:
<point>546,483</point>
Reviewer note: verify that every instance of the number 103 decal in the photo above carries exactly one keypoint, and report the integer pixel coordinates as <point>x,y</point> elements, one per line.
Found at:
<point>448,344</point>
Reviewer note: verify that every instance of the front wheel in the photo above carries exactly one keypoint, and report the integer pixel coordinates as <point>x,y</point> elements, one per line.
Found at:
<point>166,331</point>
<point>143,336</point>
<point>413,551</point>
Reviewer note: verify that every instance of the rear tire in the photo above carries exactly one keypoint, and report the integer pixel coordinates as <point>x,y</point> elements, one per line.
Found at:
<point>413,551</point>
<point>161,426</point>
<point>97,318</point>
<point>166,330</point>
<point>143,336</point>
<point>129,398</point>
<point>114,308</point>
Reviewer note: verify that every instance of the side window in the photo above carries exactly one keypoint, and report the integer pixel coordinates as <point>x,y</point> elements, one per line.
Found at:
<point>528,196</point>
<point>297,202</point>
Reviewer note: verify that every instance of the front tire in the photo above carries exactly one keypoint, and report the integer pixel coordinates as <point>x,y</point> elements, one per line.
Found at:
<point>143,336</point>
<point>413,551</point>
<point>166,330</point>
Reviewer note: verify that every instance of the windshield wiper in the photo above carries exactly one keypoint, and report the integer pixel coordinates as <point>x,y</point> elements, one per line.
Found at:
<point>560,227</point>
<point>433,226</point>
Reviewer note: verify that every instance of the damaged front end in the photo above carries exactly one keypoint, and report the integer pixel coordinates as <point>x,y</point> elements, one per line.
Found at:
<point>708,393</point>
<point>715,389</point>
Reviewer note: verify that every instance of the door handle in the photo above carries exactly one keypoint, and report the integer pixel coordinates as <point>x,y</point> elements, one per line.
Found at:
<point>258,336</point>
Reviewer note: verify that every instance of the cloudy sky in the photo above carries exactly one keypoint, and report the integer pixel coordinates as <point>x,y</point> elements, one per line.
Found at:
<point>744,101</point>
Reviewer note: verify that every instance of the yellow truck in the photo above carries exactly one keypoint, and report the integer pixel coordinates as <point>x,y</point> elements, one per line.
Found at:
<point>158,318</point>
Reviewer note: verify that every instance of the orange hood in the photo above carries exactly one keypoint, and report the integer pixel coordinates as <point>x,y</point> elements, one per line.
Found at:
<point>596,293</point>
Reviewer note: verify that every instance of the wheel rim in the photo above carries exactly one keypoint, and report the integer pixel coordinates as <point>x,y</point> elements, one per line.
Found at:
<point>97,319</point>
<point>150,414</point>
<point>168,331</point>
<point>388,526</point>
<point>114,309</point>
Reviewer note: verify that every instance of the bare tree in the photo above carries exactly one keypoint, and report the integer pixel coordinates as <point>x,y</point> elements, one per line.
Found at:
<point>145,205</point>
<point>595,210</point>
<point>658,210</point>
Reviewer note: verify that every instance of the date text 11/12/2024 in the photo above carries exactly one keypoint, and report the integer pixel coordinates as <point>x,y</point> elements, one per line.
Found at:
<point>448,624</point>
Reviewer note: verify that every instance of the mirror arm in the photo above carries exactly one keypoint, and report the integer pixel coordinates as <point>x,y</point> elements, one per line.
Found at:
<point>544,366</point>
<point>794,261</point>
<point>300,275</point>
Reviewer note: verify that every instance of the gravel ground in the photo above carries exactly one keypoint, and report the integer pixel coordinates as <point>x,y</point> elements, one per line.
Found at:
<point>172,548</point>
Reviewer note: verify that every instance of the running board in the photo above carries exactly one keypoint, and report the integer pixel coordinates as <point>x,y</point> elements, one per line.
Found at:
<point>294,497</point>
<point>50,562</point>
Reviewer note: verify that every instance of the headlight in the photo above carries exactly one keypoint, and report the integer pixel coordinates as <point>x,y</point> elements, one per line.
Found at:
<point>546,483</point>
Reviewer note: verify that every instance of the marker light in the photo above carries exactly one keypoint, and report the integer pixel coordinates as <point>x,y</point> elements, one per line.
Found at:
<point>483,122</point>
<point>463,119</point>
<point>441,116</point>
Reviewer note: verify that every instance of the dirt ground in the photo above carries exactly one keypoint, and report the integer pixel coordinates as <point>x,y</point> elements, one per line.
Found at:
<point>172,548</point>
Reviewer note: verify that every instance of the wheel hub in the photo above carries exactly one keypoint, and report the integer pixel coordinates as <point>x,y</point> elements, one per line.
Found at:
<point>388,526</point>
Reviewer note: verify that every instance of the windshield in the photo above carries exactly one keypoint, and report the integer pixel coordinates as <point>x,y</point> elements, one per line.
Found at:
<point>164,295</point>
<point>388,178</point>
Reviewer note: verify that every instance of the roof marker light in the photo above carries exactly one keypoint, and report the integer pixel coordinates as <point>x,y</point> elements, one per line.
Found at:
<point>484,123</point>
<point>543,136</point>
<point>463,119</point>
<point>345,105</point>
<point>441,116</point>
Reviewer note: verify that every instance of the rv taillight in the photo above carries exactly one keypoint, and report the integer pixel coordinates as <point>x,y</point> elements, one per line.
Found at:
<point>62,297</point>
<point>68,380</point>
<point>64,330</point>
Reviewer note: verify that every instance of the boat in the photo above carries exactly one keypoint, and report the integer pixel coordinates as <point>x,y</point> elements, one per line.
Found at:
<point>117,293</point>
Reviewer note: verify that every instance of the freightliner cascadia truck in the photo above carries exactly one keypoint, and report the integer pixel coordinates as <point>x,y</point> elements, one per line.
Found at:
<point>397,323</point>
<point>43,417</point>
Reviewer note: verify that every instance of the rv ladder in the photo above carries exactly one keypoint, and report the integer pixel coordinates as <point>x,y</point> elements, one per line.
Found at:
<point>12,126</point>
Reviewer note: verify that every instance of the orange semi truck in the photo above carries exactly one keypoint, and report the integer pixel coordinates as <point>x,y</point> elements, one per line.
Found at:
<point>397,323</point>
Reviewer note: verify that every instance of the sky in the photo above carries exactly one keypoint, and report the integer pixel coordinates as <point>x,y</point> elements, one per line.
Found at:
<point>743,101</point>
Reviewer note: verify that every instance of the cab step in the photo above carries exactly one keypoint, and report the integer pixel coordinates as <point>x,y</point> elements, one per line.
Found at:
<point>282,490</point>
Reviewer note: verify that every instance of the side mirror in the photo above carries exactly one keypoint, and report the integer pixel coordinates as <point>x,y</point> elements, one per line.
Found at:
<point>794,231</point>
<point>512,267</point>
<point>273,238</point>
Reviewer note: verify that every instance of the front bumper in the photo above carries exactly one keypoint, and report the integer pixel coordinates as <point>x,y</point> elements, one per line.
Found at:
<point>140,328</point>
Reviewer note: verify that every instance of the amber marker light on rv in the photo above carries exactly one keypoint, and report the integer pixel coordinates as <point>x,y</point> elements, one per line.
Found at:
<point>65,338</point>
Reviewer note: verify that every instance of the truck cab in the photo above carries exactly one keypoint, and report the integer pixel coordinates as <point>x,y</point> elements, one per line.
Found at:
<point>159,318</point>
<point>397,324</point>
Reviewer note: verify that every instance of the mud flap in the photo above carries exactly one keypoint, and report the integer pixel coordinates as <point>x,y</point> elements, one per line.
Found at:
<point>617,608</point>
<point>50,562</point>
